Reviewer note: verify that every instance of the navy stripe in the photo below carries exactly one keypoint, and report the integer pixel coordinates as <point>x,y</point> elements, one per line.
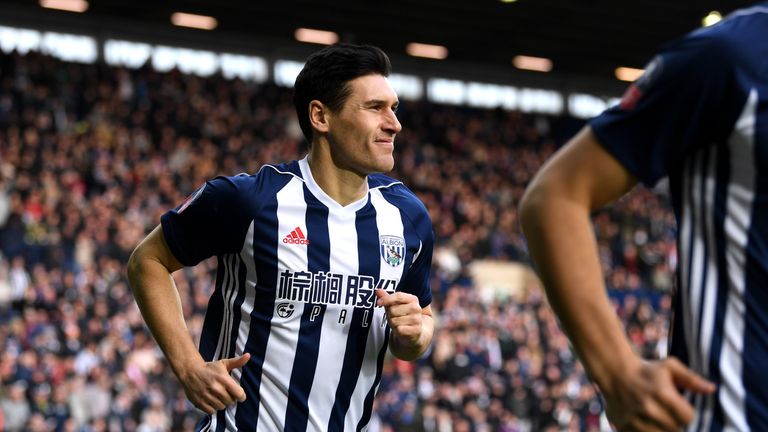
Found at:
<point>265,241</point>
<point>304,367</point>
<point>678,346</point>
<point>221,421</point>
<point>723,174</point>
<point>368,404</point>
<point>214,316</point>
<point>413,245</point>
<point>703,210</point>
<point>756,291</point>
<point>204,424</point>
<point>368,264</point>
<point>308,346</point>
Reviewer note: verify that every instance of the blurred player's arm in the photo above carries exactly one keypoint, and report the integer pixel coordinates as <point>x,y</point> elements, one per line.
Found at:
<point>412,326</point>
<point>207,385</point>
<point>555,215</point>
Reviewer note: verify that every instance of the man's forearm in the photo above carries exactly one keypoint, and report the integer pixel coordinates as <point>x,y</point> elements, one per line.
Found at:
<point>405,349</point>
<point>562,245</point>
<point>160,305</point>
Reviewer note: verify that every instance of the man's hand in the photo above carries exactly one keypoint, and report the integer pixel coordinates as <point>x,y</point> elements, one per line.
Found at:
<point>403,314</point>
<point>210,387</point>
<point>412,326</point>
<point>646,396</point>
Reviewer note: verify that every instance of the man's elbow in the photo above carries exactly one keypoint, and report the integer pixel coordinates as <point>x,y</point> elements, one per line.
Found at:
<point>531,208</point>
<point>133,266</point>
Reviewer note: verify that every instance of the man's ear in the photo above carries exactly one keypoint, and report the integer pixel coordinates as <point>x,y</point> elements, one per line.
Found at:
<point>318,116</point>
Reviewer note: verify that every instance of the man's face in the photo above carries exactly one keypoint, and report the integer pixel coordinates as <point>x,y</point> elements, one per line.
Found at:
<point>362,133</point>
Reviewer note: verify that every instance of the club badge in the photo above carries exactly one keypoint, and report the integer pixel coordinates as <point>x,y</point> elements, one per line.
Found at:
<point>392,249</point>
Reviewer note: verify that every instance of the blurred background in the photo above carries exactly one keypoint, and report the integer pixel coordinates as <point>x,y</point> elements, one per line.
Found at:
<point>111,112</point>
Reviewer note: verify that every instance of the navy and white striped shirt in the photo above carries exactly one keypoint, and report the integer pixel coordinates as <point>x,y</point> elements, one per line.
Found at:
<point>295,289</point>
<point>699,115</point>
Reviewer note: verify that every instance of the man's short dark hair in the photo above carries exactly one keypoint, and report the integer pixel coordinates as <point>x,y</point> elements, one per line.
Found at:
<point>326,75</point>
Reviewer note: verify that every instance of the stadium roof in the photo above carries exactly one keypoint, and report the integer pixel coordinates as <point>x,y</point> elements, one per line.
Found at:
<point>583,39</point>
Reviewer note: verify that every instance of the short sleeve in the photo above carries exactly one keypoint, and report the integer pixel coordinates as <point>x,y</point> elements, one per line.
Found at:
<point>674,108</point>
<point>211,221</point>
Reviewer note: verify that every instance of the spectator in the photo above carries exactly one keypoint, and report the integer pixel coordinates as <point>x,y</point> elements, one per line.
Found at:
<point>15,408</point>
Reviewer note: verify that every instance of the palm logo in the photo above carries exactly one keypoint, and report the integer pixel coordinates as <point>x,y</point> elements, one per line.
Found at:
<point>285,310</point>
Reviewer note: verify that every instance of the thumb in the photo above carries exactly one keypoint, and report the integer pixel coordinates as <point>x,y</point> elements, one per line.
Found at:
<point>236,362</point>
<point>381,294</point>
<point>688,379</point>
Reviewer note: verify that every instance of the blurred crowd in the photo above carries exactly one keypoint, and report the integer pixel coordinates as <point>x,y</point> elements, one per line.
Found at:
<point>91,156</point>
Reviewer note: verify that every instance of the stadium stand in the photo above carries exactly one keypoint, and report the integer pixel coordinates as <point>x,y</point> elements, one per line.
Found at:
<point>91,156</point>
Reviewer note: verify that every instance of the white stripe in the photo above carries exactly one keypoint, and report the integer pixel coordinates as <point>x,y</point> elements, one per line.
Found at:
<point>283,338</point>
<point>390,222</point>
<point>710,284</point>
<point>686,233</point>
<point>707,326</point>
<point>389,185</point>
<point>748,11</point>
<point>416,255</point>
<point>697,267</point>
<point>278,171</point>
<point>739,203</point>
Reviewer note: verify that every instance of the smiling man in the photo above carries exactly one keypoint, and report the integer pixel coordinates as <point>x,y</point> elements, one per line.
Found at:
<point>323,266</point>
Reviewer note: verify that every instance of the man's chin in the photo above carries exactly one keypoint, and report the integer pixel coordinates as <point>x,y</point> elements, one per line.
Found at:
<point>387,166</point>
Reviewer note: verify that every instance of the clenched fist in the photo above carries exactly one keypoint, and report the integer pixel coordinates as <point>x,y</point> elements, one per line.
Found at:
<point>412,325</point>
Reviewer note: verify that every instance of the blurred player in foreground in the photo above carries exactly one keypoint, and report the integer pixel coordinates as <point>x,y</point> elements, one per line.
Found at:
<point>698,115</point>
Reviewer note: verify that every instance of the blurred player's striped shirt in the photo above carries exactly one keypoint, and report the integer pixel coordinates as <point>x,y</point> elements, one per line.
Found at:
<point>295,289</point>
<point>700,115</point>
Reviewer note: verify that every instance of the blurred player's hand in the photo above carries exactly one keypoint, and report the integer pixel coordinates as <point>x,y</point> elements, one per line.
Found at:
<point>210,387</point>
<point>646,397</point>
<point>403,314</point>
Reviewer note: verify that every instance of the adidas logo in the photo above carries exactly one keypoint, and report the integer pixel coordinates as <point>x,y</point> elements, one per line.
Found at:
<point>296,237</point>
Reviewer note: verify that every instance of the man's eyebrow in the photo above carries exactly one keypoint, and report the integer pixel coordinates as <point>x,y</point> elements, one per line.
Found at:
<point>379,102</point>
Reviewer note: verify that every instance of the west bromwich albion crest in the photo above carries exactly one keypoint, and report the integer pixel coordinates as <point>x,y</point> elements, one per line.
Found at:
<point>392,249</point>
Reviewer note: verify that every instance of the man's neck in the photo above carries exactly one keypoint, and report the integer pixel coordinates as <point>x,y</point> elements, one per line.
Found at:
<point>343,186</point>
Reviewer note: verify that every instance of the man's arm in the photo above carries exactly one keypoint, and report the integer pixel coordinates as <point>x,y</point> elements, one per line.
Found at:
<point>555,215</point>
<point>207,385</point>
<point>412,326</point>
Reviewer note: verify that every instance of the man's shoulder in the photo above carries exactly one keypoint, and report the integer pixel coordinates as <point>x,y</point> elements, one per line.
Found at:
<point>289,169</point>
<point>397,193</point>
<point>269,178</point>
<point>739,33</point>
<point>379,181</point>
<point>270,172</point>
